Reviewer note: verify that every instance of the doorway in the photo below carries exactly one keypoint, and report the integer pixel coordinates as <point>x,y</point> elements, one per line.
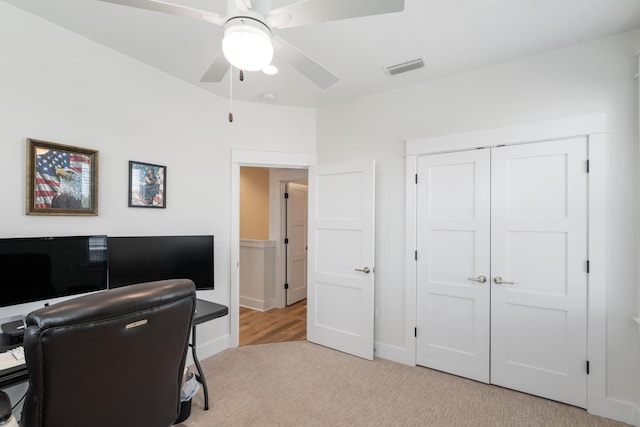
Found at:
<point>273,229</point>
<point>339,182</point>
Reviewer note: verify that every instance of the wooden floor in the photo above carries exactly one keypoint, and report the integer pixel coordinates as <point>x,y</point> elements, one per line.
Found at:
<point>276,325</point>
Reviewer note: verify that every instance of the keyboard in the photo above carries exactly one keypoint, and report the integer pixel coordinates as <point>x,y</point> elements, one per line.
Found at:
<point>17,353</point>
<point>11,358</point>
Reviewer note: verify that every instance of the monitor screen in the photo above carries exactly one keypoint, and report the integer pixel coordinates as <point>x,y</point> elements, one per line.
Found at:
<point>40,268</point>
<point>148,258</point>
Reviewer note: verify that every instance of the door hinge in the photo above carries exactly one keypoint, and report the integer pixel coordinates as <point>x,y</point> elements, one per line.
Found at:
<point>286,286</point>
<point>416,178</point>
<point>286,240</point>
<point>587,367</point>
<point>415,332</point>
<point>286,195</point>
<point>588,166</point>
<point>588,266</point>
<point>415,255</point>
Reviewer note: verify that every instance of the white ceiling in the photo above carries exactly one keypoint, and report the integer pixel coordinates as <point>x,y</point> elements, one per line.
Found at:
<point>453,36</point>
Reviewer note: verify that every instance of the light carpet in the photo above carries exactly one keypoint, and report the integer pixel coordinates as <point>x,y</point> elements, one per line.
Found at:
<point>303,384</point>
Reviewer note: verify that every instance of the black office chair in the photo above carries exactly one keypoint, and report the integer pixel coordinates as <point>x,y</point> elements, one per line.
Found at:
<point>114,358</point>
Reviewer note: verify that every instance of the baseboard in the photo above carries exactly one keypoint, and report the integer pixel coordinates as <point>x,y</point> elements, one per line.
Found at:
<point>393,353</point>
<point>208,349</point>
<point>617,410</point>
<point>256,304</point>
<point>252,303</point>
<point>635,415</point>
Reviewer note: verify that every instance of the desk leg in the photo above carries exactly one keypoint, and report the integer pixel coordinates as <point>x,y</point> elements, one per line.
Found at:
<point>200,376</point>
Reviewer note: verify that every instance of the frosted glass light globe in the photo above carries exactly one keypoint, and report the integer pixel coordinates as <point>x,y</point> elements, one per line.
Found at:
<point>247,44</point>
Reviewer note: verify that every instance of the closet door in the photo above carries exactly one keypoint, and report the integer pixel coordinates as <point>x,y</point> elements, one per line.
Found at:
<point>539,243</point>
<point>453,258</point>
<point>516,215</point>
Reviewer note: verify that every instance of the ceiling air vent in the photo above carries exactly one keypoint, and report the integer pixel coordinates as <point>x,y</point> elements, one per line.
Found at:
<point>403,67</point>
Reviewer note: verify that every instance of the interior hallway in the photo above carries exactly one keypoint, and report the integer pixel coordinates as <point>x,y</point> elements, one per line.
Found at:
<point>275,325</point>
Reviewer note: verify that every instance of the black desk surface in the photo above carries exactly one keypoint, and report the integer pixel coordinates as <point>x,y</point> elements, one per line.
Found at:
<point>205,311</point>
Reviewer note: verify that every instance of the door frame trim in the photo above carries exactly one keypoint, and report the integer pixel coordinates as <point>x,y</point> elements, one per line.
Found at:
<point>267,159</point>
<point>594,127</point>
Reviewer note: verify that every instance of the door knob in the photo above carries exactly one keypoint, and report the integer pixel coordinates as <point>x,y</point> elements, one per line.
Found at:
<point>481,279</point>
<point>498,280</point>
<point>364,270</point>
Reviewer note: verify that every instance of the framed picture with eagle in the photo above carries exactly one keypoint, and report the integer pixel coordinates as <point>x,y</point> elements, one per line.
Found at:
<point>61,179</point>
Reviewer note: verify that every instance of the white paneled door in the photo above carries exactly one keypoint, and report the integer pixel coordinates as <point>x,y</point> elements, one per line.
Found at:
<point>453,263</point>
<point>529,317</point>
<point>539,248</point>
<point>297,242</point>
<point>341,255</point>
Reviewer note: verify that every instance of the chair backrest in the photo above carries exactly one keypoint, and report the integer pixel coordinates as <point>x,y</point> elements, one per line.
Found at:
<point>114,358</point>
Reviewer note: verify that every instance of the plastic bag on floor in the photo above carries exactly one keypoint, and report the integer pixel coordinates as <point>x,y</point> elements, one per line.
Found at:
<point>190,386</point>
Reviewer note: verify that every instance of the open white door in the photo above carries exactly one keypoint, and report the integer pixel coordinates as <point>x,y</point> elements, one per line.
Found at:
<point>340,300</point>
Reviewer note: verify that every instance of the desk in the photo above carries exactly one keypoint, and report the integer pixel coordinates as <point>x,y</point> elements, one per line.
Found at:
<point>205,311</point>
<point>15,375</point>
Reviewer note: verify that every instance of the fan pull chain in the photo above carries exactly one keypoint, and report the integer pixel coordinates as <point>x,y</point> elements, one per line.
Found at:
<point>231,91</point>
<point>231,94</point>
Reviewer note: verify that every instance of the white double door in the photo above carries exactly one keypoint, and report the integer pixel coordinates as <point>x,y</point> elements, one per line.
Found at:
<point>502,266</point>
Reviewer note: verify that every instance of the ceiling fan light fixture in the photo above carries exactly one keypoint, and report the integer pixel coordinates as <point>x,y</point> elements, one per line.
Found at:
<point>247,44</point>
<point>270,70</point>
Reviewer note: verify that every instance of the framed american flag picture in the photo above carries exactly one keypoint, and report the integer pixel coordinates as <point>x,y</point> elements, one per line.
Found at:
<point>61,179</point>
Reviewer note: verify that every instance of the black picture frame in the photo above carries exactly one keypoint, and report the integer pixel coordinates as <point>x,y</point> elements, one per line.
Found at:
<point>147,185</point>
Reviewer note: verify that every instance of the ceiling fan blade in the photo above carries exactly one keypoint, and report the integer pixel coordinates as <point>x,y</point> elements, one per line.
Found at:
<point>278,21</point>
<point>243,5</point>
<point>315,72</point>
<point>313,11</point>
<point>217,70</point>
<point>171,9</point>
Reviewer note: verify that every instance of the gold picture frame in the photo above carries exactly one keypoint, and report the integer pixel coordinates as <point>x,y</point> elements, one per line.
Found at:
<point>61,179</point>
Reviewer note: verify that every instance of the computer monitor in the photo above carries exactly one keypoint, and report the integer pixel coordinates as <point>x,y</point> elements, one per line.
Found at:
<point>40,268</point>
<point>137,259</point>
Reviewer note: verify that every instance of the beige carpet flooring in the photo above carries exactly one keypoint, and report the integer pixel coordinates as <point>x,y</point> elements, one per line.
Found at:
<point>303,384</point>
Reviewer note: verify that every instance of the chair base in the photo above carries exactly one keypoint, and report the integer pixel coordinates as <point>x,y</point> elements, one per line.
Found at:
<point>185,411</point>
<point>7,419</point>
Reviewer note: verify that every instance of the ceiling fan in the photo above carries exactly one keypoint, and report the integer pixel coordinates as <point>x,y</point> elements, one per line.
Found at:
<point>249,41</point>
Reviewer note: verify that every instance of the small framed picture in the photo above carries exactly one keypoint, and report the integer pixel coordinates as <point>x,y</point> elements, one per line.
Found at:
<point>61,179</point>
<point>147,185</point>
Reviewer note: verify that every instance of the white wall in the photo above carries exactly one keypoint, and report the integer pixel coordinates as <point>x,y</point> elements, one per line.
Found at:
<point>257,272</point>
<point>63,88</point>
<point>584,78</point>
